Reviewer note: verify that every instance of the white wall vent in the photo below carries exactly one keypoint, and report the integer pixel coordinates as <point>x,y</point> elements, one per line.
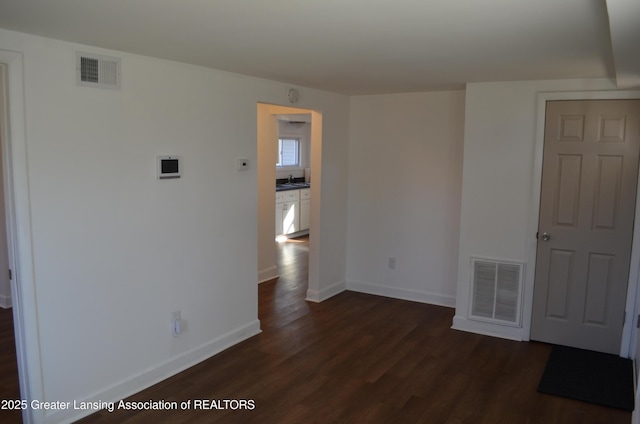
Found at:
<point>98,71</point>
<point>496,291</point>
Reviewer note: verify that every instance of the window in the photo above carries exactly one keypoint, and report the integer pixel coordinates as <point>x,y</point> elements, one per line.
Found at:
<point>288,152</point>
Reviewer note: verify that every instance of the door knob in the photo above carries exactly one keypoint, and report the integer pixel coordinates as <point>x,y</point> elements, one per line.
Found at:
<point>546,237</point>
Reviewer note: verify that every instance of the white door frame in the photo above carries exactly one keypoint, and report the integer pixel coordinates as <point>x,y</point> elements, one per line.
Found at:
<point>18,210</point>
<point>631,307</point>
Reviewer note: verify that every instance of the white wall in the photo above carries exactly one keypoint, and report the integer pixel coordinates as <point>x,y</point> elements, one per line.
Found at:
<point>498,217</point>
<point>115,250</point>
<point>267,147</point>
<point>405,170</point>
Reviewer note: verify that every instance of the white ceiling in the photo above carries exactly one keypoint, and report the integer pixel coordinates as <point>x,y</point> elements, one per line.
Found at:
<point>354,46</point>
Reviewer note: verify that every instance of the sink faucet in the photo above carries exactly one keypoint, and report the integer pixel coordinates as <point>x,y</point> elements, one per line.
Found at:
<point>290,178</point>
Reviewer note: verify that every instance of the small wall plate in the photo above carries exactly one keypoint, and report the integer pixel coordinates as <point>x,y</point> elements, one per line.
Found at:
<point>169,167</point>
<point>293,95</point>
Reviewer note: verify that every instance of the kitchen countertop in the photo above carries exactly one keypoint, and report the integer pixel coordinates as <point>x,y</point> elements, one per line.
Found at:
<point>292,186</point>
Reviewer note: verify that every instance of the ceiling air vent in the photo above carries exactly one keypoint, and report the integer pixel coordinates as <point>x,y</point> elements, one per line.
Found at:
<point>98,71</point>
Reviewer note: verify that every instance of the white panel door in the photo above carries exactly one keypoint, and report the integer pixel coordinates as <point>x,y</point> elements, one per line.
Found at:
<point>587,207</point>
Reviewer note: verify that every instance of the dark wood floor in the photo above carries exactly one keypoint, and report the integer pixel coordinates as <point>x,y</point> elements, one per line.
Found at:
<point>9,388</point>
<point>357,358</point>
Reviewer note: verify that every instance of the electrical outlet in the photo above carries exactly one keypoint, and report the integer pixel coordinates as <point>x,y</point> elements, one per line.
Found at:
<point>392,263</point>
<point>176,323</point>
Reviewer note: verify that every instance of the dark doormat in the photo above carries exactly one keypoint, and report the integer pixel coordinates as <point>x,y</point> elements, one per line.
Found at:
<point>589,376</point>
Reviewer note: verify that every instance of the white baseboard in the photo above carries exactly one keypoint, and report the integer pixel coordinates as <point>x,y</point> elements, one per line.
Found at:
<point>488,329</point>
<point>5,301</point>
<point>298,234</point>
<point>160,372</point>
<point>404,294</point>
<point>318,296</point>
<point>268,274</point>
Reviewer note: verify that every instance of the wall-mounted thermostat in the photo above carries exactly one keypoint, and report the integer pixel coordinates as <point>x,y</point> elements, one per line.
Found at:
<point>169,167</point>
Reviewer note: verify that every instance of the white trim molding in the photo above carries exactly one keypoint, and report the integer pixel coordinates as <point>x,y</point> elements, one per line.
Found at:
<point>19,239</point>
<point>268,274</point>
<point>5,302</point>
<point>158,373</point>
<point>318,296</point>
<point>403,294</point>
<point>487,328</point>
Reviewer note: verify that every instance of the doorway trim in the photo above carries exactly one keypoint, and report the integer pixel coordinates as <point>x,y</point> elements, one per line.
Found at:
<point>634,272</point>
<point>19,238</point>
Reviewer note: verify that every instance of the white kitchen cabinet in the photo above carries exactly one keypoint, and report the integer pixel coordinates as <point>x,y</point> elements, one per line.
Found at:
<point>279,212</point>
<point>305,207</point>
<point>287,212</point>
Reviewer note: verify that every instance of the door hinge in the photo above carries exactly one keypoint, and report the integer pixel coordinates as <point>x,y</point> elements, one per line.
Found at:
<point>638,322</point>
<point>10,275</point>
